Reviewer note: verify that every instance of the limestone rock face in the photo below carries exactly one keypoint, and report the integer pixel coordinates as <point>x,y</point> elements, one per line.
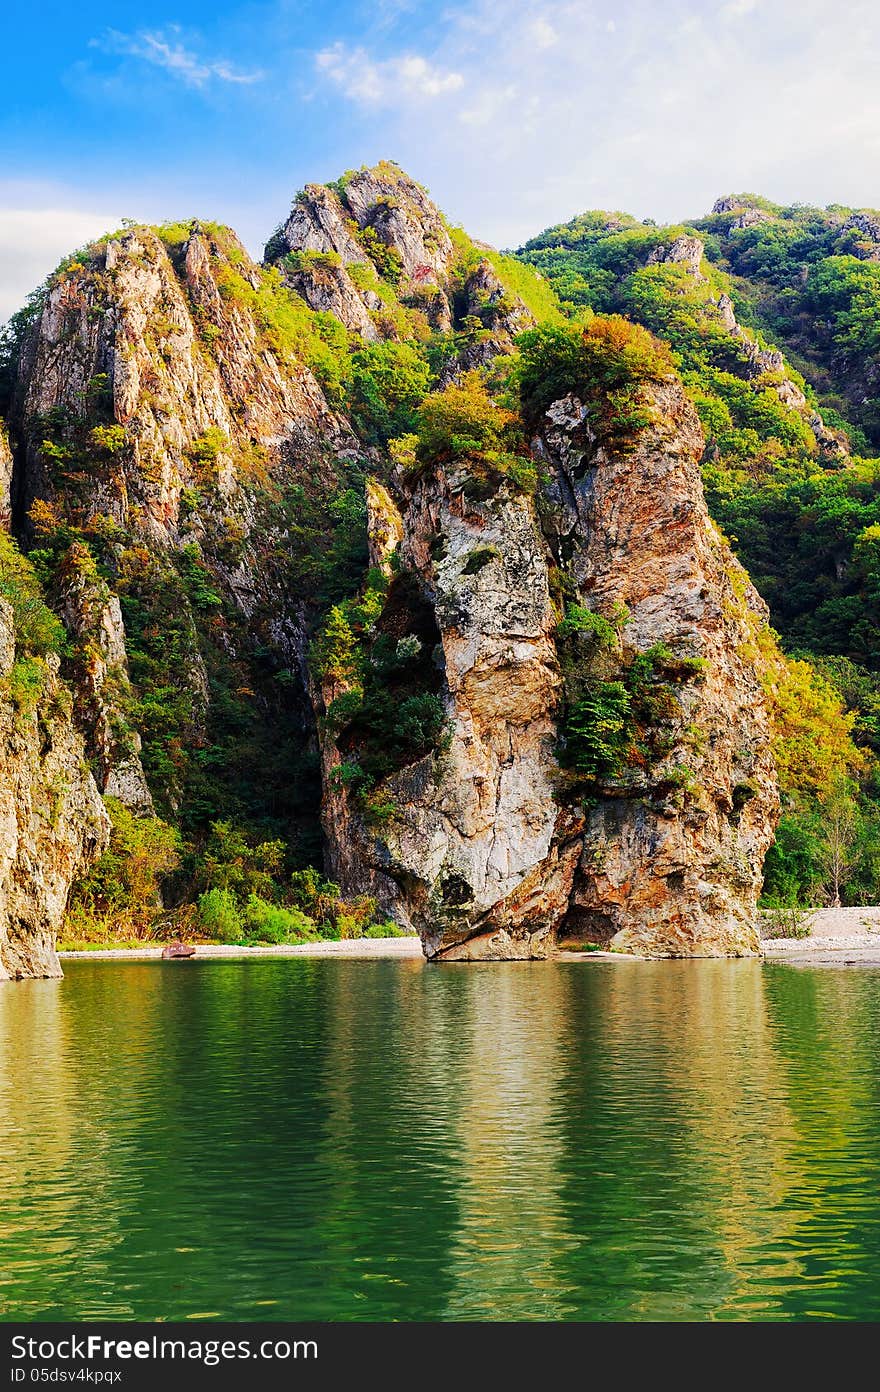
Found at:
<point>178,360</point>
<point>403,216</point>
<point>687,251</point>
<point>101,682</point>
<point>204,420</point>
<point>330,290</point>
<point>318,222</point>
<point>474,838</point>
<point>672,852</point>
<point>5,479</point>
<point>494,848</point>
<point>52,822</point>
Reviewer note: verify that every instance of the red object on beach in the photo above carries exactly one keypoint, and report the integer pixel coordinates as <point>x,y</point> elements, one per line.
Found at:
<point>178,949</point>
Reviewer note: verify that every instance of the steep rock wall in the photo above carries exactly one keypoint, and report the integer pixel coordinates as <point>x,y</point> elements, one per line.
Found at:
<point>159,415</point>
<point>52,822</point>
<point>497,848</point>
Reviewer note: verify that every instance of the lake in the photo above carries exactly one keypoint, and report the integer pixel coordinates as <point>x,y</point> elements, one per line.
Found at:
<point>330,1139</point>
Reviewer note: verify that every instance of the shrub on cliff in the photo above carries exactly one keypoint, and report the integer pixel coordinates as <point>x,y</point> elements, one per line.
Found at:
<point>464,428</point>
<point>388,380</point>
<point>37,630</point>
<point>122,893</point>
<point>604,362</point>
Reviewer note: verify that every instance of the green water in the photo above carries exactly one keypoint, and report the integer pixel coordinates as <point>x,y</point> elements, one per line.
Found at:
<point>302,1139</point>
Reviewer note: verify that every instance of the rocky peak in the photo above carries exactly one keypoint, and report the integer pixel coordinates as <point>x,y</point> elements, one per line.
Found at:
<point>400,213</point>
<point>317,222</point>
<point>684,250</point>
<point>167,358</point>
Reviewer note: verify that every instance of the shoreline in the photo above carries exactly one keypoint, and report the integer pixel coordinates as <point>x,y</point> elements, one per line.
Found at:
<point>407,947</point>
<point>838,937</point>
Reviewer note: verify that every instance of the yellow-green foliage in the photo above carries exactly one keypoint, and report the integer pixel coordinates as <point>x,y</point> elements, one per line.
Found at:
<point>121,894</point>
<point>536,293</point>
<point>812,733</point>
<point>462,425</point>
<point>37,630</point>
<point>518,277</point>
<point>293,331</point>
<point>605,362</point>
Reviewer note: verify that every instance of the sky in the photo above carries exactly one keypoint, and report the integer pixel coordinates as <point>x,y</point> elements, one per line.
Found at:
<point>516,114</point>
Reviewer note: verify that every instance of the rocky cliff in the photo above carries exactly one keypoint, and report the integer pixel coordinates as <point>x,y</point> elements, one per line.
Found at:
<point>538,719</point>
<point>52,821</point>
<point>500,842</point>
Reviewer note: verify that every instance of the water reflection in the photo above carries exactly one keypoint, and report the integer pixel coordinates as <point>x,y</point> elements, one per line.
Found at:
<point>374,1140</point>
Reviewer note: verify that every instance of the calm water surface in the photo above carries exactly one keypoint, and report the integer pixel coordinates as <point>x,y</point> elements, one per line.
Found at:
<point>295,1139</point>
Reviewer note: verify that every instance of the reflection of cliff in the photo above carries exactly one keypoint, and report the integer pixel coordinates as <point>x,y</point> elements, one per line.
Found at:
<point>825,1026</point>
<point>512,1235</point>
<point>378,1140</point>
<point>388,1152</point>
<point>63,1203</point>
<point>682,1147</point>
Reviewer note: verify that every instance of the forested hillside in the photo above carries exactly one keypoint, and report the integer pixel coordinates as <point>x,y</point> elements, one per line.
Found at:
<point>324,537</point>
<point>773,317</point>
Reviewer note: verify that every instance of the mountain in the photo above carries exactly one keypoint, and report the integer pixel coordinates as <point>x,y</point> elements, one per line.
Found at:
<point>404,539</point>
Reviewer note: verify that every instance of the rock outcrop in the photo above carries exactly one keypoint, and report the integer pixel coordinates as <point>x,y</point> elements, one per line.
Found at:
<point>5,480</point>
<point>672,850</point>
<point>496,850</point>
<point>160,416</point>
<point>167,355</point>
<point>197,495</point>
<point>339,242</point>
<point>685,251</point>
<point>93,614</point>
<point>52,822</point>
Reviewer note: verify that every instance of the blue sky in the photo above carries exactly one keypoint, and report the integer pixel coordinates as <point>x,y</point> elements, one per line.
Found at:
<point>514,114</point>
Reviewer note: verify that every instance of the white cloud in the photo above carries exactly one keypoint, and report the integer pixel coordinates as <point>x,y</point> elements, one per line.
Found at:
<point>653,109</point>
<point>386,82</point>
<point>33,241</point>
<point>163,49</point>
<point>542,33</point>
<point>489,105</point>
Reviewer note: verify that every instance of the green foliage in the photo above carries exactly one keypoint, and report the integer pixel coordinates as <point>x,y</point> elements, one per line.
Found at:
<point>597,730</point>
<point>219,916</point>
<point>462,427</point>
<point>231,861</point>
<point>535,292</point>
<point>385,258</point>
<point>37,630</point>
<point>292,330</point>
<point>387,383</point>
<point>274,923</point>
<point>197,578</point>
<point>479,558</point>
<point>606,363</point>
<point>388,929</point>
<point>122,893</point>
<point>390,713</point>
<point>580,620</point>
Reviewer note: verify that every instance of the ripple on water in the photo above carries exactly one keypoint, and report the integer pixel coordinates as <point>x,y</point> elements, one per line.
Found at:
<point>369,1140</point>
